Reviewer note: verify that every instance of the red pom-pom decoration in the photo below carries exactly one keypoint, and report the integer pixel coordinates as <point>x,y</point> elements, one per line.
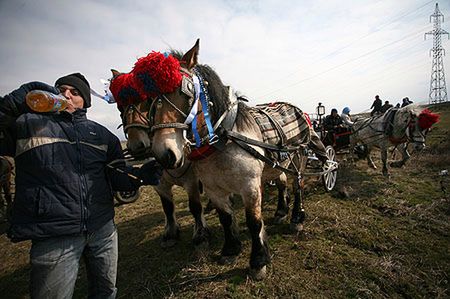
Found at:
<point>124,90</point>
<point>157,74</point>
<point>427,119</point>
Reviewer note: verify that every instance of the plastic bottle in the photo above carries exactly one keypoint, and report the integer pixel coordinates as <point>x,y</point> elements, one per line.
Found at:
<point>44,101</point>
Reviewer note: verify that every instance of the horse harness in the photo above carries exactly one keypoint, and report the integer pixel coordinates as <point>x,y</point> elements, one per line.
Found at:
<point>193,86</point>
<point>388,128</point>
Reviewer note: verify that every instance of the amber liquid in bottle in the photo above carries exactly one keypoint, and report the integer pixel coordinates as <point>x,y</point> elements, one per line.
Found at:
<point>44,101</point>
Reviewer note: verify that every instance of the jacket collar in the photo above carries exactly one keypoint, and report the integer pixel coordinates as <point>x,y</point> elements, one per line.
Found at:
<point>79,114</point>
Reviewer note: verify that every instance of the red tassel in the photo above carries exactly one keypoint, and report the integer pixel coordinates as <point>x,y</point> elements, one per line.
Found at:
<point>427,119</point>
<point>123,88</point>
<point>156,74</point>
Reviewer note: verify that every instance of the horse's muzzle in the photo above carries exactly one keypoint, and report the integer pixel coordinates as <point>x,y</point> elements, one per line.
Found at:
<point>169,160</point>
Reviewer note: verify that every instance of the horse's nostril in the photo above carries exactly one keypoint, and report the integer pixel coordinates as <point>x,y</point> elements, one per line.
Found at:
<point>169,159</point>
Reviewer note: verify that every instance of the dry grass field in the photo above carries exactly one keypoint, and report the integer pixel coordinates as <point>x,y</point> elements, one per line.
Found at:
<point>389,238</point>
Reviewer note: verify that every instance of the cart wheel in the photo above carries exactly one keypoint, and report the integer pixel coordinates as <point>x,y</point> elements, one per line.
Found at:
<point>330,176</point>
<point>125,197</point>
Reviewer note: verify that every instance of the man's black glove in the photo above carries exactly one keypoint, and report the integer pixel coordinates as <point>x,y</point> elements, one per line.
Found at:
<point>150,173</point>
<point>14,104</point>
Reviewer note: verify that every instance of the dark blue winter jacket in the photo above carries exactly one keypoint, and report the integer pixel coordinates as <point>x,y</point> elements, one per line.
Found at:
<point>63,184</point>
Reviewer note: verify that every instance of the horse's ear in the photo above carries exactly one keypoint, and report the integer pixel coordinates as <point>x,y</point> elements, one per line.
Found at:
<point>190,59</point>
<point>115,73</point>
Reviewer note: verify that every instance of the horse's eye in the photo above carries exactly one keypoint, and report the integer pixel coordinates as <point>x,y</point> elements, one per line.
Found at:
<point>159,103</point>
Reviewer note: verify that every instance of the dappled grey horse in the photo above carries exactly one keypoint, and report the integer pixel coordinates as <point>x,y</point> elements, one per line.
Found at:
<point>229,165</point>
<point>396,127</point>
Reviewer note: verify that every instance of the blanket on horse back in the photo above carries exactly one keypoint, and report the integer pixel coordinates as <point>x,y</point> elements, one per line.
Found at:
<point>282,124</point>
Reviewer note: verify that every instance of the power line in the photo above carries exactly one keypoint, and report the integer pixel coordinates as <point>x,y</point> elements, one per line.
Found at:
<point>356,40</point>
<point>344,63</point>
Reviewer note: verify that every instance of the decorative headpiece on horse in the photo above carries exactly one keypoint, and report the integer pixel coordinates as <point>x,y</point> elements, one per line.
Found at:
<point>124,90</point>
<point>157,73</point>
<point>152,75</point>
<point>427,119</point>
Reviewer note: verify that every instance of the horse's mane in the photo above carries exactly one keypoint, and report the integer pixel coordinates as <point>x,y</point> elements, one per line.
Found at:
<point>218,93</point>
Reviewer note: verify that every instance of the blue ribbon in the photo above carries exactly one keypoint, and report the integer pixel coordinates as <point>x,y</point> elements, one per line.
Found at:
<point>201,94</point>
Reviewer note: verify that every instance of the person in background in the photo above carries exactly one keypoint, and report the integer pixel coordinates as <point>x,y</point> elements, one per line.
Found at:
<point>376,105</point>
<point>406,102</point>
<point>345,116</point>
<point>397,105</point>
<point>332,124</point>
<point>64,189</point>
<point>386,106</point>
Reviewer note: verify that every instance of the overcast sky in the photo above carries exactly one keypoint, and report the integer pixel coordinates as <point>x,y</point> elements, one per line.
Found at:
<point>340,53</point>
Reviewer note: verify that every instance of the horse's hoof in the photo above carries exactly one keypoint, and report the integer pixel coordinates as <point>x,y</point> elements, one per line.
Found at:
<point>296,227</point>
<point>279,219</point>
<point>228,260</point>
<point>168,243</point>
<point>258,274</point>
<point>201,237</point>
<point>203,246</point>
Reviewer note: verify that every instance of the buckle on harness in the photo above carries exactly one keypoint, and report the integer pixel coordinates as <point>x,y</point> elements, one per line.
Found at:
<point>213,139</point>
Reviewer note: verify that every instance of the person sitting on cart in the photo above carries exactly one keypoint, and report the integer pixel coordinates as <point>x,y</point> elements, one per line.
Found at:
<point>343,139</point>
<point>346,119</point>
<point>332,125</point>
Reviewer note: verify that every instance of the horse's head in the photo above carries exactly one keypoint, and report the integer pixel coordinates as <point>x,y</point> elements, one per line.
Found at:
<point>155,99</point>
<point>134,112</point>
<point>418,122</point>
<point>162,95</point>
<point>171,113</point>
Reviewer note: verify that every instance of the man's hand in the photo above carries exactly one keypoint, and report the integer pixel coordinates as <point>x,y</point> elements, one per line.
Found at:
<point>150,173</point>
<point>16,99</point>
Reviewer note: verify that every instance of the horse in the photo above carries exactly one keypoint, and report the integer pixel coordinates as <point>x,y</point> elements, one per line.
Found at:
<point>396,127</point>
<point>5,183</point>
<point>234,160</point>
<point>136,128</point>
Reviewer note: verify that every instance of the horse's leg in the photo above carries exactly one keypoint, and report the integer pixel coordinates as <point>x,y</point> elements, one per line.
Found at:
<point>232,246</point>
<point>298,211</point>
<point>352,150</point>
<point>369,159</point>
<point>3,204</point>
<point>283,199</point>
<point>201,232</point>
<point>8,197</point>
<point>403,148</point>
<point>384,159</point>
<point>260,255</point>
<point>172,229</point>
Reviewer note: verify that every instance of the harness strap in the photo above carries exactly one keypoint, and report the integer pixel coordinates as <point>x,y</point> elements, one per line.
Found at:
<point>389,121</point>
<point>236,136</point>
<point>173,105</point>
<point>263,158</point>
<point>202,95</point>
<point>228,117</point>
<point>169,125</point>
<point>139,126</point>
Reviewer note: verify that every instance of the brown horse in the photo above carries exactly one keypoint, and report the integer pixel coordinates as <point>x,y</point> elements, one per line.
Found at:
<point>234,168</point>
<point>137,129</point>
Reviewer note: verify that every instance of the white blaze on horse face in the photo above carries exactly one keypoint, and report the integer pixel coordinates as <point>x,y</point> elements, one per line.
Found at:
<point>168,147</point>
